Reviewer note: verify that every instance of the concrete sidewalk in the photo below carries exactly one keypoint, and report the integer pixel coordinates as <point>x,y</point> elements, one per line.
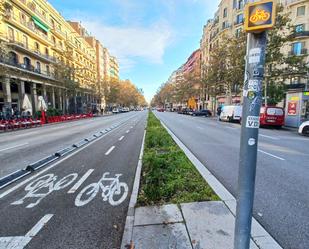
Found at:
<point>199,225</point>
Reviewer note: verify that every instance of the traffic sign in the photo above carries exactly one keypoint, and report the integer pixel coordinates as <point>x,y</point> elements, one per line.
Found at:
<point>260,16</point>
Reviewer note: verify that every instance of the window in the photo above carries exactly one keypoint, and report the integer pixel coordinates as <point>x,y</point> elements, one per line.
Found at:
<point>225,12</point>
<point>47,70</point>
<point>297,48</point>
<point>54,39</point>
<point>299,28</point>
<point>13,58</point>
<point>11,33</point>
<point>239,18</point>
<point>225,25</point>
<point>240,4</point>
<point>301,11</point>
<point>27,63</point>
<point>38,67</point>
<point>234,4</point>
<point>37,47</point>
<point>46,51</point>
<point>25,41</point>
<point>238,32</point>
<point>23,17</point>
<point>274,111</point>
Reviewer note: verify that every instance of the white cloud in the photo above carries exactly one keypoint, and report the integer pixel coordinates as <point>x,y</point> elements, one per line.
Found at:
<point>131,42</point>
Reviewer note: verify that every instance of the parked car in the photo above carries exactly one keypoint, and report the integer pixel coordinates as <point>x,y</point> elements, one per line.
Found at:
<point>271,116</point>
<point>205,113</point>
<point>304,128</point>
<point>160,110</point>
<point>231,113</point>
<point>186,111</point>
<point>115,111</point>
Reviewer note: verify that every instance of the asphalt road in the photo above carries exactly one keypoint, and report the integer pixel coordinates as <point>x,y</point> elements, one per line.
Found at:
<point>282,192</point>
<point>19,148</point>
<point>71,204</point>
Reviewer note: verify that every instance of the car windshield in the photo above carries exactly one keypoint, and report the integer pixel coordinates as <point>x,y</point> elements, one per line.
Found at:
<point>275,111</point>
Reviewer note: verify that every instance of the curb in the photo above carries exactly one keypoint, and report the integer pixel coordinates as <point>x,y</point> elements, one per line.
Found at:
<point>32,167</point>
<point>258,234</point>
<point>128,229</point>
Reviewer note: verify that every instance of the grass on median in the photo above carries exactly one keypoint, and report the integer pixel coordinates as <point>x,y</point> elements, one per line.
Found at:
<point>168,176</point>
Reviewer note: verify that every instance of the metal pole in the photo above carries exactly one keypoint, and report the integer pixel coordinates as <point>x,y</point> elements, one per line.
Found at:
<point>255,60</point>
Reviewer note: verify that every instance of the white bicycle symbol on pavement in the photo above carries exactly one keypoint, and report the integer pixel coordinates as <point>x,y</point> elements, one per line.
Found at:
<point>43,186</point>
<point>115,193</point>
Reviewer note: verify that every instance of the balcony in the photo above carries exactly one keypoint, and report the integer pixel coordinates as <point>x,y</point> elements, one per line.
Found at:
<point>239,22</point>
<point>31,51</point>
<point>300,34</point>
<point>303,51</point>
<point>16,21</point>
<point>26,68</point>
<point>291,2</point>
<point>33,9</point>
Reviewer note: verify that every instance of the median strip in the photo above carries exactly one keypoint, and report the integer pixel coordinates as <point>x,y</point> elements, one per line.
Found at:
<point>168,176</point>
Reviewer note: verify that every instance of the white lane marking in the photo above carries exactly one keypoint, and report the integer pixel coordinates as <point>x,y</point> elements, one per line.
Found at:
<point>38,226</point>
<point>43,186</point>
<point>20,242</point>
<point>80,182</point>
<point>16,146</point>
<point>113,187</point>
<point>269,154</point>
<point>131,127</point>
<point>110,150</point>
<point>270,137</point>
<point>127,131</point>
<point>58,162</point>
<point>199,127</point>
<point>121,138</point>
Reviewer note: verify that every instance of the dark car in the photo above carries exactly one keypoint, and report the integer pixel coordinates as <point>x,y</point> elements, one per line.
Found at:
<point>205,113</point>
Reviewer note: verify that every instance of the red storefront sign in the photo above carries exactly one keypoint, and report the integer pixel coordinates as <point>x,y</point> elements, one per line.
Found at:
<point>292,108</point>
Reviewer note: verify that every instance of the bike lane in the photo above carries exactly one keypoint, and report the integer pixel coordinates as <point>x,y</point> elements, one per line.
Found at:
<point>75,214</point>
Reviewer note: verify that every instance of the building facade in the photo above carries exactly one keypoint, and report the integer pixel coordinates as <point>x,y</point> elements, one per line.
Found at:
<point>297,86</point>
<point>228,21</point>
<point>39,43</point>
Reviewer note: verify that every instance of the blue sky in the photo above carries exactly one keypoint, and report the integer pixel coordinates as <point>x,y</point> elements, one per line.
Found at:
<point>151,38</point>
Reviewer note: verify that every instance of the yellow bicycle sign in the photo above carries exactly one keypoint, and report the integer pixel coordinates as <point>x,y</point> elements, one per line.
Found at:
<point>259,16</point>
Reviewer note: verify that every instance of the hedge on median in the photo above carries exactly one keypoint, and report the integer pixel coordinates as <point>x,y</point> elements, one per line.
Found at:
<point>168,176</point>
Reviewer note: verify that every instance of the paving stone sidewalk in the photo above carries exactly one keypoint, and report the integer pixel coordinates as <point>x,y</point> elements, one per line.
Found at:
<point>198,225</point>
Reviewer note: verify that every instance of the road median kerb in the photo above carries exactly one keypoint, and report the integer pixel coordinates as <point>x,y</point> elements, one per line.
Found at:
<point>258,234</point>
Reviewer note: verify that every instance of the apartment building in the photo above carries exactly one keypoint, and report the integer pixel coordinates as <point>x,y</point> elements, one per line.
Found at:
<point>38,39</point>
<point>114,68</point>
<point>228,21</point>
<point>298,86</point>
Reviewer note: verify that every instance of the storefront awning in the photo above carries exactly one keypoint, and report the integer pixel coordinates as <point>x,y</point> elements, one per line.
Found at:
<point>40,24</point>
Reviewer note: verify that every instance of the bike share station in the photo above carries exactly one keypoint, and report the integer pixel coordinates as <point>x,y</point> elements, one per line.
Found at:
<point>259,17</point>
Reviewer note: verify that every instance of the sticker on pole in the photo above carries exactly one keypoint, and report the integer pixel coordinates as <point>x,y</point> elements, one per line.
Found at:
<point>255,55</point>
<point>253,122</point>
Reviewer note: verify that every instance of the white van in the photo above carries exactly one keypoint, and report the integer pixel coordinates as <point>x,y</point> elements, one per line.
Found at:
<point>231,113</point>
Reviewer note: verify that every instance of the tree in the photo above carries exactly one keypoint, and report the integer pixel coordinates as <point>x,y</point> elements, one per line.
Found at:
<point>227,65</point>
<point>280,67</point>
